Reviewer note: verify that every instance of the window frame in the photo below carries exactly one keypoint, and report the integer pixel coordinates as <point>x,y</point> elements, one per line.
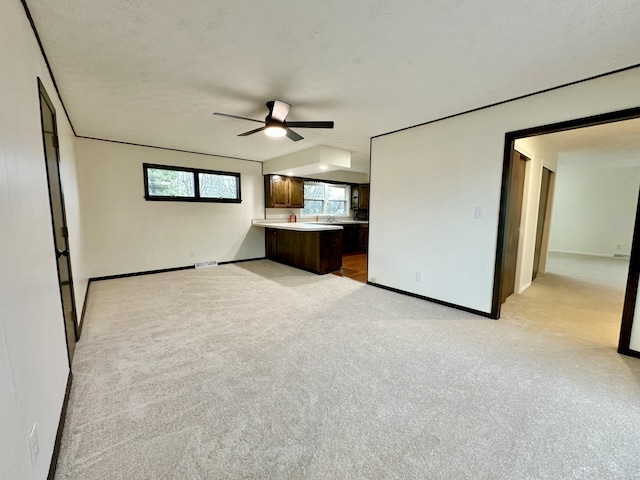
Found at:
<point>326,200</point>
<point>196,185</point>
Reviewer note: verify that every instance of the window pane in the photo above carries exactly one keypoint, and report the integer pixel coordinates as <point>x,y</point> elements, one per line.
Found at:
<point>337,207</point>
<point>313,207</point>
<point>218,186</point>
<point>313,191</point>
<point>337,193</point>
<point>170,183</point>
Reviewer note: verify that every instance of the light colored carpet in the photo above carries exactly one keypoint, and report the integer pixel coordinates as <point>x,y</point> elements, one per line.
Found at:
<point>580,296</point>
<point>261,371</point>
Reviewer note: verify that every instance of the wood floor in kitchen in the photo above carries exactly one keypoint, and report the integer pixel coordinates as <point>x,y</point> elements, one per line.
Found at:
<point>354,266</point>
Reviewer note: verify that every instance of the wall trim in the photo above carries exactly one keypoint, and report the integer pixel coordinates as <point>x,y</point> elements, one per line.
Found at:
<point>162,270</point>
<point>84,309</point>
<point>612,72</point>
<point>46,61</point>
<point>432,300</point>
<point>58,441</point>
<point>137,274</point>
<point>167,148</point>
<point>241,261</point>
<point>629,352</point>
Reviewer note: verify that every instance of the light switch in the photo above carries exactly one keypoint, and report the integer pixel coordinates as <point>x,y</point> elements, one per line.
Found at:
<point>479,212</point>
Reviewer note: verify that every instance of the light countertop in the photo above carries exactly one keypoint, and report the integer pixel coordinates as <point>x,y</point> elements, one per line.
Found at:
<point>297,226</point>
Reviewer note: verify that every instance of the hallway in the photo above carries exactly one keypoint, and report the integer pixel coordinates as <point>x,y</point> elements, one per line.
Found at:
<point>580,296</point>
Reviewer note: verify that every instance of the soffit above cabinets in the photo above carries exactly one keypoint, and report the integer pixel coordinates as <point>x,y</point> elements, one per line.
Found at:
<point>315,160</point>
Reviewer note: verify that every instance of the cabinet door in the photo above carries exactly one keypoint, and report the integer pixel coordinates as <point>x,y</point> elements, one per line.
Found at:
<point>296,192</point>
<point>279,191</point>
<point>364,237</point>
<point>350,240</point>
<point>363,197</point>
<point>271,243</point>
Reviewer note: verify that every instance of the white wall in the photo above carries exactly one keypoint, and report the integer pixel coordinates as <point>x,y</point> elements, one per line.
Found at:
<point>594,210</point>
<point>33,356</point>
<point>427,181</point>
<point>124,233</point>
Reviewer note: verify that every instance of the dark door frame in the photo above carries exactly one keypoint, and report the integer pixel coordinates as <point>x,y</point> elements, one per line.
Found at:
<point>634,263</point>
<point>44,96</point>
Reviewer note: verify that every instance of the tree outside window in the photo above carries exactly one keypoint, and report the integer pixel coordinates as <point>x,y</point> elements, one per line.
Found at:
<point>170,183</point>
<point>164,182</point>
<point>325,199</point>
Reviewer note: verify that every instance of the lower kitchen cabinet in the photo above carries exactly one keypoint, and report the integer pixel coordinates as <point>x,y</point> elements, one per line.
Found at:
<point>271,243</point>
<point>318,252</point>
<point>363,236</point>
<point>355,238</point>
<point>350,238</point>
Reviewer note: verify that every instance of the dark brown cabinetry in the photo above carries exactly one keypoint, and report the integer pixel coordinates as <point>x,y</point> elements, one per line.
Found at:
<point>283,192</point>
<point>360,197</point>
<point>350,238</point>
<point>363,197</point>
<point>271,243</point>
<point>363,236</point>
<point>355,238</point>
<point>318,252</point>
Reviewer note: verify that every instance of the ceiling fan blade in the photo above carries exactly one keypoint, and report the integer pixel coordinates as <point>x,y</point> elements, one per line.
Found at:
<point>251,132</point>
<point>293,135</point>
<point>310,124</point>
<point>236,116</point>
<point>278,110</point>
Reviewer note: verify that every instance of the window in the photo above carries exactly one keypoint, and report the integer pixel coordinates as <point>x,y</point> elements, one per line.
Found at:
<point>325,199</point>
<point>164,182</point>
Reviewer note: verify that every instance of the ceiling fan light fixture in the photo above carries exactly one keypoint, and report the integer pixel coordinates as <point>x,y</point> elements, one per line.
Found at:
<point>275,131</point>
<point>275,124</point>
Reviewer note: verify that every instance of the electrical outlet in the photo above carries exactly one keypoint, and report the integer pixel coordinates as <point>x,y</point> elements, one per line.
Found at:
<point>192,253</point>
<point>372,279</point>
<point>33,445</point>
<point>419,277</point>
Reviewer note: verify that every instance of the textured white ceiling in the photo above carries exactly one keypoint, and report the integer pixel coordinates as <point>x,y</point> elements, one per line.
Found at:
<point>603,146</point>
<point>152,72</point>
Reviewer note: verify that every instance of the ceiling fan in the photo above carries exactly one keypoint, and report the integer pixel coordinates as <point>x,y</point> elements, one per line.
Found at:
<point>275,124</point>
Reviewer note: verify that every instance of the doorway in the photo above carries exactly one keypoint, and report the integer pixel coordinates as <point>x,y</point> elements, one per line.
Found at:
<point>514,218</point>
<point>58,219</point>
<point>544,183</point>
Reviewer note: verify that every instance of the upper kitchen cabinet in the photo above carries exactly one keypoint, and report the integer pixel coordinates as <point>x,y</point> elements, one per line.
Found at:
<point>283,192</point>
<point>363,197</point>
<point>360,197</point>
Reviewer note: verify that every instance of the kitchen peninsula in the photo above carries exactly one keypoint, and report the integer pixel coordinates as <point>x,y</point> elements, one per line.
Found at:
<point>310,246</point>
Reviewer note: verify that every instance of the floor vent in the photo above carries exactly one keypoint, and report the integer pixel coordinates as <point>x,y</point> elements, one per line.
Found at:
<point>210,263</point>
<point>621,255</point>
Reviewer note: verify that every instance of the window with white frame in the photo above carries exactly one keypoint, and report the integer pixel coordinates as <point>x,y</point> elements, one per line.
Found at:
<point>325,199</point>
